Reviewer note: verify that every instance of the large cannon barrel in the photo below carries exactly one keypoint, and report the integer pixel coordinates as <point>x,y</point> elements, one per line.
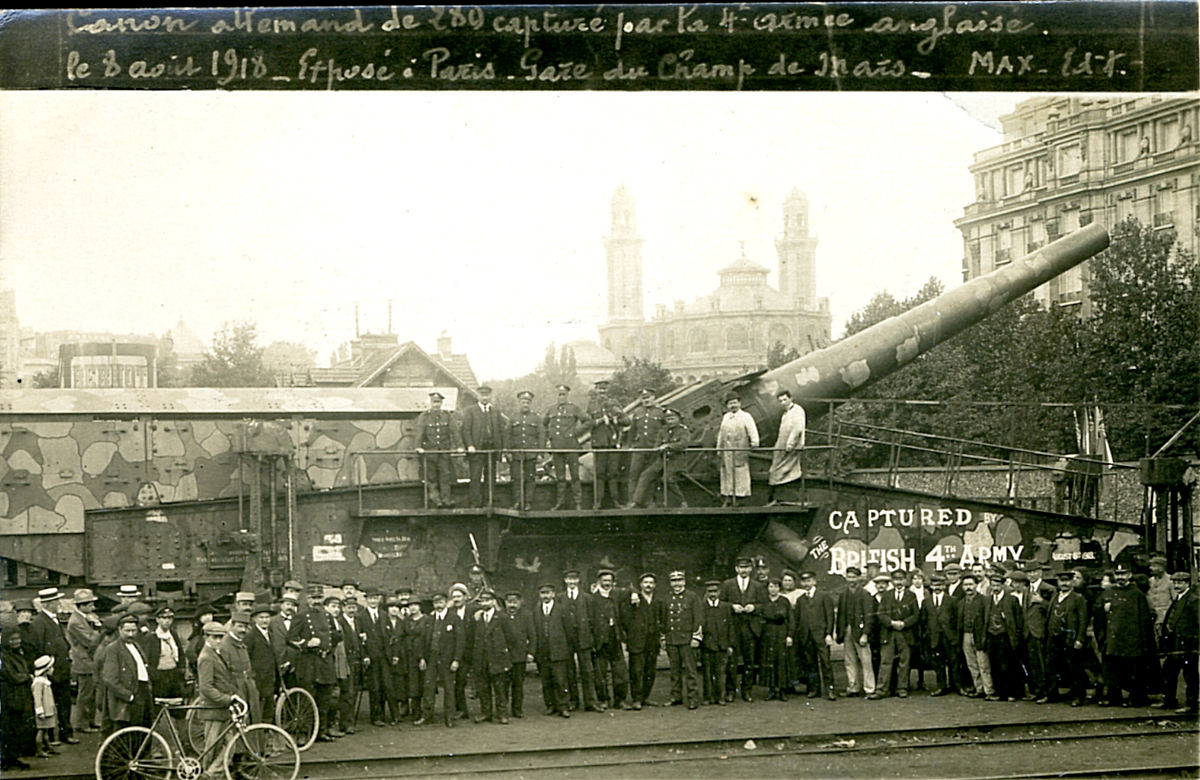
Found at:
<point>843,368</point>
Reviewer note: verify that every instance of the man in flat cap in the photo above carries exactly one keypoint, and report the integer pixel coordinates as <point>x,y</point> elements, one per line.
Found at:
<point>83,637</point>
<point>736,436</point>
<point>564,422</point>
<point>496,647</point>
<point>577,612</point>
<point>898,616</point>
<point>1180,646</point>
<point>1066,636</point>
<point>1004,622</point>
<point>437,431</point>
<point>716,646</point>
<point>440,659</point>
<point>1160,594</point>
<point>942,633</point>
<point>217,688</point>
<point>855,622</point>
<point>164,655</point>
<point>47,636</point>
<point>127,678</point>
<point>552,651</point>
<point>237,656</point>
<point>746,598</point>
<point>645,424</point>
<point>483,432</point>
<point>526,435</point>
<point>524,643</point>
<point>643,619</point>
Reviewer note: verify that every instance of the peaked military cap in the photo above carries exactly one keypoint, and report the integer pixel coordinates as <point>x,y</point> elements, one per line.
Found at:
<point>437,396</point>
<point>563,388</point>
<point>525,394</point>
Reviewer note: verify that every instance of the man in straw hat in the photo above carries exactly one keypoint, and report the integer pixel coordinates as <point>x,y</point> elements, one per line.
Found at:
<point>83,637</point>
<point>48,637</point>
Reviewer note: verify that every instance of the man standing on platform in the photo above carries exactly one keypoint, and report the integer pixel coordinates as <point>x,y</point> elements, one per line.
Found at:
<point>127,678</point>
<point>607,636</point>
<point>609,425</point>
<point>577,612</point>
<point>855,614</point>
<point>745,597</point>
<point>526,433</point>
<point>785,460</point>
<point>665,465</point>
<point>552,652</point>
<point>437,430</point>
<point>684,630</point>
<point>972,627</point>
<point>564,422</point>
<point>1005,620</point>
<point>645,423</point>
<point>736,436</point>
<point>464,614</point>
<point>643,621</point>
<point>483,429</point>
<point>898,616</point>
<point>163,651</point>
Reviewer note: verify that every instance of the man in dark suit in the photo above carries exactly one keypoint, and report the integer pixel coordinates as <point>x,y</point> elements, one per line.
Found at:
<point>1066,635</point>
<point>745,597</point>
<point>278,628</point>
<point>127,678</point>
<point>376,680</point>
<point>1004,621</point>
<point>607,637</point>
<point>1180,645</point>
<point>1128,639</point>
<point>524,641</point>
<point>353,636</point>
<point>577,611</point>
<point>46,636</point>
<point>495,646</point>
<point>1037,612</point>
<point>814,630</point>
<point>898,616</point>
<point>483,430</point>
<point>552,651</point>
<point>264,664</point>
<point>941,634</point>
<point>855,618</point>
<point>716,648</point>
<point>441,657</point>
<point>464,612</point>
<point>642,618</point>
<point>395,625</point>
<point>163,651</point>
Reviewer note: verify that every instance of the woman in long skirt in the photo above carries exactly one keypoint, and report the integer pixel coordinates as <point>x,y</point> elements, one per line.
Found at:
<point>776,642</point>
<point>795,664</point>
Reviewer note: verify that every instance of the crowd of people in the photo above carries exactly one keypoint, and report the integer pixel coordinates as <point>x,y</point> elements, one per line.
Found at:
<point>635,453</point>
<point>994,635</point>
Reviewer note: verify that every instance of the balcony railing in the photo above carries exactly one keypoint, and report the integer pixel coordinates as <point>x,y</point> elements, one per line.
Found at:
<point>1164,219</point>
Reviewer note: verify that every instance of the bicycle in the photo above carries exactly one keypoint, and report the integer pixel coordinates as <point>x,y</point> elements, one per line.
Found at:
<point>257,752</point>
<point>295,712</point>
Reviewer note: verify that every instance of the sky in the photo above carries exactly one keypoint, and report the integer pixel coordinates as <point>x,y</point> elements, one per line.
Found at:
<point>481,214</point>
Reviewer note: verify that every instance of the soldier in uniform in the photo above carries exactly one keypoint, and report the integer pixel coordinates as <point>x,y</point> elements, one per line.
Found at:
<point>311,637</point>
<point>645,422</point>
<point>437,430</point>
<point>564,422</point>
<point>525,435</point>
<point>673,439</point>
<point>609,424</point>
<point>598,401</point>
<point>684,631</point>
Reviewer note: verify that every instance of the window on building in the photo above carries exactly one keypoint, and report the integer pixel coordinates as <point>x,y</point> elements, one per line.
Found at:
<point>1070,160</point>
<point>699,340</point>
<point>1164,208</point>
<point>997,185</point>
<point>1127,145</point>
<point>1168,132</point>
<point>1124,208</point>
<point>1015,183</point>
<point>1003,245</point>
<point>737,338</point>
<point>1070,221</point>
<point>670,342</point>
<point>780,334</point>
<point>1070,283</point>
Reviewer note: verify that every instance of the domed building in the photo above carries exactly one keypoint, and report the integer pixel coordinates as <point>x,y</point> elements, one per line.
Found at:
<point>730,330</point>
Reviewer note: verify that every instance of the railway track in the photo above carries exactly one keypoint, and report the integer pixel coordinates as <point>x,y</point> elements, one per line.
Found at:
<point>1164,747</point>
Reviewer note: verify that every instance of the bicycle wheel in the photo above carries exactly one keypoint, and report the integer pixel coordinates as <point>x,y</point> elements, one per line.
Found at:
<point>134,753</point>
<point>193,731</point>
<point>262,752</point>
<point>296,713</point>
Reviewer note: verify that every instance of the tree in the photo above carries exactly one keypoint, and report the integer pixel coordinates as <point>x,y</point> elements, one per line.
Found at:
<point>636,375</point>
<point>167,373</point>
<point>778,354</point>
<point>235,359</point>
<point>288,357</point>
